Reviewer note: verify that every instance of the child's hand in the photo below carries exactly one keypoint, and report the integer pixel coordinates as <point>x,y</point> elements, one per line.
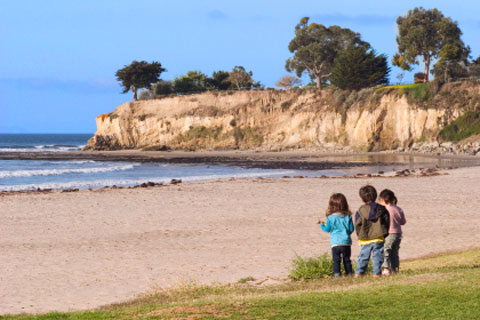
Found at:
<point>320,221</point>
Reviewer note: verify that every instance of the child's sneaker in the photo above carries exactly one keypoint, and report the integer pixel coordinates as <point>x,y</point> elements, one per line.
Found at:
<point>385,272</point>
<point>376,276</point>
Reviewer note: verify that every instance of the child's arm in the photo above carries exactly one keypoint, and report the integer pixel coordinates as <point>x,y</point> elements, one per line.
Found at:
<point>327,227</point>
<point>358,221</point>
<point>402,219</point>
<point>350,226</point>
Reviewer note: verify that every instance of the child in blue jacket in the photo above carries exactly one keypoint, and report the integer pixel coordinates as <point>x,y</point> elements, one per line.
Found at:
<point>340,225</point>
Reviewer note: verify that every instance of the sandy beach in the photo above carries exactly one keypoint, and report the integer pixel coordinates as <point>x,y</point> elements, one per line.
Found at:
<point>71,251</point>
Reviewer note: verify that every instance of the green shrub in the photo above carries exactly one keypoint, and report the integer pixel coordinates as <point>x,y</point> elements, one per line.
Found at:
<point>311,268</point>
<point>247,279</point>
<point>316,268</point>
<point>113,116</point>
<point>463,127</point>
<point>420,92</point>
<point>202,132</point>
<point>247,136</point>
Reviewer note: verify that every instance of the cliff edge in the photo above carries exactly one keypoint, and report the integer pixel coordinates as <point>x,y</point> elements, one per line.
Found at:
<point>368,120</point>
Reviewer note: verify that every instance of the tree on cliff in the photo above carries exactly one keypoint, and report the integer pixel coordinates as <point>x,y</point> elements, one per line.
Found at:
<point>219,80</point>
<point>288,82</point>
<point>139,74</point>
<point>423,33</point>
<point>358,67</point>
<point>241,79</point>
<point>193,81</point>
<point>315,48</point>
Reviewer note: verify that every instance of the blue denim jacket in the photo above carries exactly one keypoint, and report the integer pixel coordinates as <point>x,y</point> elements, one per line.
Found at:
<point>340,227</point>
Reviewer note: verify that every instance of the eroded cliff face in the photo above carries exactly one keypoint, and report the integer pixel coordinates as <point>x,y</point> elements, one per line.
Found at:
<point>275,120</point>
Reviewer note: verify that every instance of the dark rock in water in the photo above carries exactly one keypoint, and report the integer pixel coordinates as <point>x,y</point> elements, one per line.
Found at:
<point>286,177</point>
<point>381,172</point>
<point>99,143</point>
<point>71,190</point>
<point>148,184</point>
<point>175,181</point>
<point>299,177</point>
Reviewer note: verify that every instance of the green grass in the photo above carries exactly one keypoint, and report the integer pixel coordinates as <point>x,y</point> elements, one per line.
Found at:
<point>316,268</point>
<point>438,287</point>
<point>246,279</point>
<point>202,132</point>
<point>463,127</point>
<point>415,92</point>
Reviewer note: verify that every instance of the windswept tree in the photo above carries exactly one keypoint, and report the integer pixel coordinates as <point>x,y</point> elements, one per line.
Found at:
<point>357,67</point>
<point>423,33</point>
<point>138,75</point>
<point>240,78</point>
<point>315,48</point>
<point>288,82</point>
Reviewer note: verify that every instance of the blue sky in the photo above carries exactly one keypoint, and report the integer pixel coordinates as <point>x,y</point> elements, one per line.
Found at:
<point>58,58</point>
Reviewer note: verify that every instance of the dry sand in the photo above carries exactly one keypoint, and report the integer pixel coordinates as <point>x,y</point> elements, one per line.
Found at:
<point>70,251</point>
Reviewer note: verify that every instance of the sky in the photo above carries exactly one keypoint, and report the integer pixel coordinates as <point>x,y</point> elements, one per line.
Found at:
<point>58,58</point>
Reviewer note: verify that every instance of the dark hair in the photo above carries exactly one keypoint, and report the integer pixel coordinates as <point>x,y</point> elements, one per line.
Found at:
<point>338,203</point>
<point>388,196</point>
<point>368,193</point>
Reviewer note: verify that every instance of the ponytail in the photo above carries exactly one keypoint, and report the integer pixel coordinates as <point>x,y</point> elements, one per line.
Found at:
<point>388,196</point>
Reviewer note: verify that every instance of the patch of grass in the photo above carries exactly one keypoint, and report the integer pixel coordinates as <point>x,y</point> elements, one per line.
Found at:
<point>416,92</point>
<point>311,268</point>
<point>316,268</point>
<point>463,127</point>
<point>248,137</point>
<point>203,132</point>
<point>246,279</point>
<point>112,116</point>
<point>420,92</point>
<point>437,287</point>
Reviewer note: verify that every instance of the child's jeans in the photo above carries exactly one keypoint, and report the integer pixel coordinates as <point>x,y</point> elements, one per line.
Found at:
<point>392,246</point>
<point>340,253</point>
<point>364,258</point>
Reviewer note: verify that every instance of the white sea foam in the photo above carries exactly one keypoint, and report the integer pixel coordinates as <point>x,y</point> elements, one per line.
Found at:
<point>132,182</point>
<point>56,172</point>
<point>42,148</point>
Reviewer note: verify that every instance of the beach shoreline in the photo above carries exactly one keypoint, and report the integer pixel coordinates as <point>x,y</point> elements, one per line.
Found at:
<point>80,250</point>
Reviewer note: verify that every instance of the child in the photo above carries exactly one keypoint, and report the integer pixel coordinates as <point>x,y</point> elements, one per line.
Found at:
<point>340,225</point>
<point>391,262</point>
<point>371,223</point>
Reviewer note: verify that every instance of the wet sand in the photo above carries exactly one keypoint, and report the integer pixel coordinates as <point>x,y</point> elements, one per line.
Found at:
<point>80,250</point>
<point>299,159</point>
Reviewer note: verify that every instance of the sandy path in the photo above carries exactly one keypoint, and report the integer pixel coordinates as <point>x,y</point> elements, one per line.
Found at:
<point>69,251</point>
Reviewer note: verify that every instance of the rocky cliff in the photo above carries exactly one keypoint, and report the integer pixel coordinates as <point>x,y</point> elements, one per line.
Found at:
<point>370,119</point>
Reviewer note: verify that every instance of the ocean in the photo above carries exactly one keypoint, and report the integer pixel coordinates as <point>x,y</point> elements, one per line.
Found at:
<point>16,175</point>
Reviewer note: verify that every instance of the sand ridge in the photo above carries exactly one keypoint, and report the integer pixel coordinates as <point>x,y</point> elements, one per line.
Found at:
<point>71,251</point>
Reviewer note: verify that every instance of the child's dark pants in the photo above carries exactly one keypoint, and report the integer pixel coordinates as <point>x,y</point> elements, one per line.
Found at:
<point>340,253</point>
